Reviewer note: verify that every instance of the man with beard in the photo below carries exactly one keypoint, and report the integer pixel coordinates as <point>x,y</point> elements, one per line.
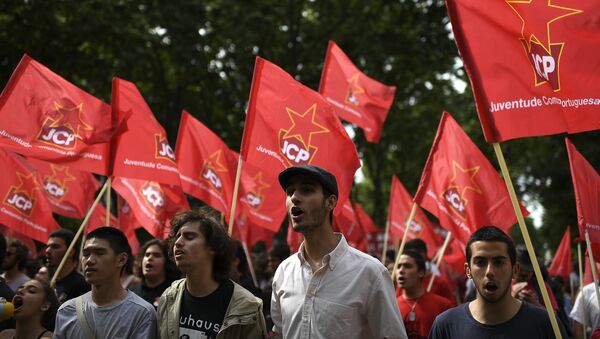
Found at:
<point>14,265</point>
<point>70,283</point>
<point>491,263</point>
<point>328,289</point>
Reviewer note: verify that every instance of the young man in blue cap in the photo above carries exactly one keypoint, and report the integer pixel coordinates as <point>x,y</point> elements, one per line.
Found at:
<point>328,289</point>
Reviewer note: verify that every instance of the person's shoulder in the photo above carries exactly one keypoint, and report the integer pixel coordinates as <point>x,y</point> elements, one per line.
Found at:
<point>359,258</point>
<point>139,303</point>
<point>69,305</point>
<point>438,299</point>
<point>531,312</point>
<point>243,295</point>
<point>452,314</point>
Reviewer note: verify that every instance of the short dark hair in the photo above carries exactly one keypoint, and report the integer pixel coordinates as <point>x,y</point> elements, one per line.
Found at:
<point>280,251</point>
<point>49,317</point>
<point>417,245</point>
<point>21,253</point>
<point>215,236</point>
<point>492,233</point>
<point>67,236</point>
<point>418,258</point>
<point>116,240</point>
<point>171,271</point>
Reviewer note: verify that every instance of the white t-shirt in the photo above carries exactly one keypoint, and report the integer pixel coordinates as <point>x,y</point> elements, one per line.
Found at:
<point>588,305</point>
<point>132,317</point>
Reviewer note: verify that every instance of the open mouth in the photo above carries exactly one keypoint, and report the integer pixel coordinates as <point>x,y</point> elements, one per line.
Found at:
<point>149,267</point>
<point>490,287</point>
<point>17,302</point>
<point>401,280</point>
<point>178,254</point>
<point>296,212</point>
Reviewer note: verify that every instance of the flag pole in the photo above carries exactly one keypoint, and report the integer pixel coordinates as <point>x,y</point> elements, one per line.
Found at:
<point>249,260</point>
<point>439,259</point>
<point>404,238</point>
<point>234,199</point>
<point>579,256</point>
<point>527,239</point>
<point>386,236</point>
<point>592,265</point>
<point>108,190</point>
<point>77,235</point>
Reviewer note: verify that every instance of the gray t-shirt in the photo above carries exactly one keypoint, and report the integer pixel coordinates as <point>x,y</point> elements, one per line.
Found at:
<point>132,317</point>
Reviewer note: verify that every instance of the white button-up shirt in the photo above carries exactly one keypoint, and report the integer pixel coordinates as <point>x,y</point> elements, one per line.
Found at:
<point>350,296</point>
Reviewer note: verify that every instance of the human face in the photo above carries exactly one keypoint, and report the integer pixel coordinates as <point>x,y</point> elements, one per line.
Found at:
<point>42,274</point>
<point>306,205</point>
<point>29,300</point>
<point>100,263</point>
<point>153,263</point>
<point>55,250</point>
<point>190,248</point>
<point>409,276</point>
<point>491,270</point>
<point>272,264</point>
<point>10,259</point>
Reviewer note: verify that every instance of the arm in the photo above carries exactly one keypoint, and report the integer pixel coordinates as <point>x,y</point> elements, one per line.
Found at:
<point>146,329</point>
<point>577,330</point>
<point>383,315</point>
<point>276,316</point>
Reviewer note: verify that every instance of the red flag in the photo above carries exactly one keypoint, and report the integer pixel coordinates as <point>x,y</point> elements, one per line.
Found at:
<point>461,187</point>
<point>358,98</point>
<point>400,206</point>
<point>454,255</point>
<point>70,192</point>
<point>561,264</point>
<point>57,121</point>
<point>209,174</point>
<point>586,183</point>
<point>142,151</point>
<point>151,203</point>
<point>24,207</point>
<point>261,199</point>
<point>347,223</point>
<point>289,124</point>
<point>251,234</point>
<point>365,220</point>
<point>532,64</point>
<point>98,219</point>
<point>128,224</point>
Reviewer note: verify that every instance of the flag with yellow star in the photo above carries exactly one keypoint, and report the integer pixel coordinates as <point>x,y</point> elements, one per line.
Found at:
<point>24,207</point>
<point>289,124</point>
<point>356,97</point>
<point>461,187</point>
<point>46,117</point>
<point>533,64</point>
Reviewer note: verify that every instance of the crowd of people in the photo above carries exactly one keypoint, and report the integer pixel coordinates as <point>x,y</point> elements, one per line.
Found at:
<point>198,284</point>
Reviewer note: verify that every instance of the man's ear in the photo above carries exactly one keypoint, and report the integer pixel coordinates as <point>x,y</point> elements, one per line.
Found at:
<point>468,270</point>
<point>122,259</point>
<point>332,201</point>
<point>516,270</point>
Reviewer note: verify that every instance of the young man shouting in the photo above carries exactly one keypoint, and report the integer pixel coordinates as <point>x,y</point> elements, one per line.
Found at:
<point>109,310</point>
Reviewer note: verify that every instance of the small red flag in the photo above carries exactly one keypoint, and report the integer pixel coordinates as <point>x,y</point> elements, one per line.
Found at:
<point>98,219</point>
<point>290,124</point>
<point>358,98</point>
<point>140,151</point>
<point>455,255</point>
<point>532,64</point>
<point>209,175</point>
<point>586,183</point>
<point>152,203</point>
<point>251,234</point>
<point>347,223</point>
<point>561,264</point>
<point>420,227</point>
<point>70,192</point>
<point>461,187</point>
<point>57,121</point>
<point>24,207</point>
<point>365,220</point>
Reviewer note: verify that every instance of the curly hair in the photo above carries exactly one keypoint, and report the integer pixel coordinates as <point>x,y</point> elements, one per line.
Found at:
<point>214,234</point>
<point>171,271</point>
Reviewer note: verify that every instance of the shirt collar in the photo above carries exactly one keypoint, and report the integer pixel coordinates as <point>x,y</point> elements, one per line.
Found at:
<point>332,258</point>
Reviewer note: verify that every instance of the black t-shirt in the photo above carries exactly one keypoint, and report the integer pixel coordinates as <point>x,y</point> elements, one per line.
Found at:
<point>529,322</point>
<point>150,294</point>
<point>202,317</point>
<point>71,286</point>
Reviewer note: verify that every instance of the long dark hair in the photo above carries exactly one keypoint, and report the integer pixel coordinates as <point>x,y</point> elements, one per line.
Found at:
<point>49,317</point>
<point>171,271</point>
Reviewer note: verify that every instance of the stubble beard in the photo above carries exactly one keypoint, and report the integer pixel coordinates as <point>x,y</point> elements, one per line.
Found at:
<point>493,300</point>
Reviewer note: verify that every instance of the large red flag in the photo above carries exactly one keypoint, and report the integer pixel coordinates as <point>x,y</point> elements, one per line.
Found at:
<point>561,264</point>
<point>533,65</point>
<point>347,222</point>
<point>209,174</point>
<point>24,207</point>
<point>420,227</point>
<point>152,203</point>
<point>461,187</point>
<point>586,183</point>
<point>289,124</point>
<point>140,151</point>
<point>70,192</point>
<point>46,117</point>
<point>358,98</point>
<point>368,225</point>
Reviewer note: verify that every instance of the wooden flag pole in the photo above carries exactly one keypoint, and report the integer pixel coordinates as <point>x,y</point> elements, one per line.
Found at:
<point>592,265</point>
<point>108,190</point>
<point>527,239</point>
<point>234,199</point>
<point>579,259</point>
<point>249,260</point>
<point>386,236</point>
<point>404,237</point>
<point>77,235</point>
<point>439,259</point>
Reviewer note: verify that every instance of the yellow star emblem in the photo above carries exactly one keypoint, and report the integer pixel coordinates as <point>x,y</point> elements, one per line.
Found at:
<point>304,125</point>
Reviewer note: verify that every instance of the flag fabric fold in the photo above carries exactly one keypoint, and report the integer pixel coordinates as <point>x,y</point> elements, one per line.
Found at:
<point>561,264</point>
<point>357,98</point>
<point>348,224</point>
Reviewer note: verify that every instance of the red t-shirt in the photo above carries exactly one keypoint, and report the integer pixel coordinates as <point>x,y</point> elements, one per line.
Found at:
<point>427,307</point>
<point>440,287</point>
